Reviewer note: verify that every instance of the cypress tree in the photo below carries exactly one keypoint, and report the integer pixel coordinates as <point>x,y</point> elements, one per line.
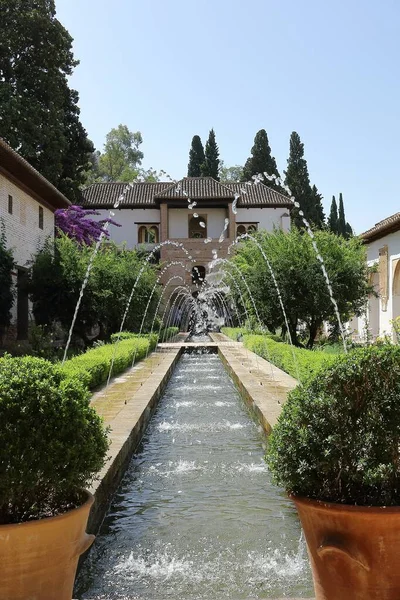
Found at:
<point>261,160</point>
<point>333,220</point>
<point>298,180</point>
<point>318,215</point>
<point>210,167</point>
<point>196,157</point>
<point>349,231</point>
<point>39,113</point>
<point>341,218</point>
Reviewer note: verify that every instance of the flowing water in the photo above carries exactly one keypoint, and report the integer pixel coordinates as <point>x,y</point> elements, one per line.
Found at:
<point>196,516</point>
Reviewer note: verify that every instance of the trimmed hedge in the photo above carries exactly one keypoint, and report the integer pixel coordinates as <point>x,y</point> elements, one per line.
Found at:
<point>93,366</point>
<point>298,362</point>
<point>52,442</point>
<point>165,335</point>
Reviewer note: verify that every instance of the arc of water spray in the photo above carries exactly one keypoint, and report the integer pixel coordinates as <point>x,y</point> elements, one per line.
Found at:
<point>259,178</point>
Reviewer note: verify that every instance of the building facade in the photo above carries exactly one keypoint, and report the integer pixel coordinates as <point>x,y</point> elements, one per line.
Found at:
<point>197,212</point>
<point>383,255</point>
<point>27,205</point>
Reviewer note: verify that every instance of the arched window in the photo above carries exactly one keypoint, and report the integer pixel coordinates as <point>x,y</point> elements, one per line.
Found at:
<point>198,274</point>
<point>148,234</point>
<point>251,229</point>
<point>240,230</point>
<point>396,290</point>
<point>198,227</point>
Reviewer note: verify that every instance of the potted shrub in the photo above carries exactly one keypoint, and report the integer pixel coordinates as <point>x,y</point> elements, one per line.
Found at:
<point>335,450</point>
<point>52,444</point>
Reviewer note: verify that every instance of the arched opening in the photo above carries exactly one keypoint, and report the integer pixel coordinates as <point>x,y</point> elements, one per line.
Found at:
<point>148,234</point>
<point>198,227</point>
<point>198,274</point>
<point>252,229</point>
<point>396,290</point>
<point>374,307</point>
<point>240,230</point>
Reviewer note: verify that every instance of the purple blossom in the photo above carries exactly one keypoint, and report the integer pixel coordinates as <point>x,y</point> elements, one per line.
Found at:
<point>74,222</point>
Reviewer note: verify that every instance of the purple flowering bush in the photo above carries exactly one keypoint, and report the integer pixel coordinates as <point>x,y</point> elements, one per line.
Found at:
<point>76,224</point>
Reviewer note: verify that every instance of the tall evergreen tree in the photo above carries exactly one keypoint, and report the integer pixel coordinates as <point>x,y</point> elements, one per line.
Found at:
<point>210,167</point>
<point>261,161</point>
<point>39,113</point>
<point>341,217</point>
<point>298,180</point>
<point>317,210</point>
<point>333,220</point>
<point>196,157</point>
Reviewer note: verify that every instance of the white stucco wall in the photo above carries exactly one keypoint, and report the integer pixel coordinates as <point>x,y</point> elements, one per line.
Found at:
<point>22,227</point>
<point>128,219</point>
<point>22,231</point>
<point>380,320</point>
<point>267,218</point>
<point>178,220</point>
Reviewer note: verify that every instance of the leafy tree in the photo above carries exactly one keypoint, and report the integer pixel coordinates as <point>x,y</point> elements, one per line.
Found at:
<point>196,157</point>
<point>121,157</point>
<point>298,180</point>
<point>232,174</point>
<point>261,161</point>
<point>56,278</point>
<point>210,167</point>
<point>39,113</point>
<point>333,220</point>
<point>300,279</point>
<point>74,222</point>
<point>6,283</point>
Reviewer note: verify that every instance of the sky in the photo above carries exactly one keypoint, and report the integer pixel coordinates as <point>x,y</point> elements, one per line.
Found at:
<point>172,69</point>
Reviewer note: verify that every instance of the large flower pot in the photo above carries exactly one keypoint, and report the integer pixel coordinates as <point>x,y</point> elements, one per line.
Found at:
<point>354,550</point>
<point>38,559</point>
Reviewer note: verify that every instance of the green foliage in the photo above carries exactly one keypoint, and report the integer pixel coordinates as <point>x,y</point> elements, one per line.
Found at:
<point>196,157</point>
<point>6,287</point>
<point>39,113</point>
<point>52,442</point>
<point>57,275</point>
<point>210,167</point>
<point>338,438</point>
<point>232,174</point>
<point>297,362</point>
<point>333,220</point>
<point>165,334</point>
<point>298,180</point>
<point>121,157</point>
<point>92,367</point>
<point>261,161</point>
<point>298,272</point>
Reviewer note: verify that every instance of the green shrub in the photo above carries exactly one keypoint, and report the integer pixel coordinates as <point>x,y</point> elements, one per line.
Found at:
<point>337,439</point>
<point>92,367</point>
<point>298,362</point>
<point>52,442</point>
<point>168,333</point>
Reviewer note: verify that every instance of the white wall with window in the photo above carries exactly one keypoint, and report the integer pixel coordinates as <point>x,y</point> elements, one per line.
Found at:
<point>265,218</point>
<point>179,219</point>
<point>131,220</point>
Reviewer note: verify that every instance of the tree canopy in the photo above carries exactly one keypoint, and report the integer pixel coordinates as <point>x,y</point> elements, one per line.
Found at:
<point>56,277</point>
<point>300,279</point>
<point>261,161</point>
<point>121,157</point>
<point>39,113</point>
<point>196,157</point>
<point>232,174</point>
<point>210,167</point>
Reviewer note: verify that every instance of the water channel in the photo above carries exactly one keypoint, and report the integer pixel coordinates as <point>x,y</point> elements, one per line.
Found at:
<point>196,516</point>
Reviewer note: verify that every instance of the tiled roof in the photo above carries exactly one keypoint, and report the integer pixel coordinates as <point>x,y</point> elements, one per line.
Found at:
<point>142,194</point>
<point>388,225</point>
<point>11,162</point>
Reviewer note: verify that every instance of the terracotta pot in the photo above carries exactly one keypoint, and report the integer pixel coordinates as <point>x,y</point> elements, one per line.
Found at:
<point>354,550</point>
<point>38,559</point>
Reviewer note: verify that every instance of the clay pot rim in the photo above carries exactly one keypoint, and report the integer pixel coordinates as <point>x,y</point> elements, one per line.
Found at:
<point>35,522</point>
<point>325,505</point>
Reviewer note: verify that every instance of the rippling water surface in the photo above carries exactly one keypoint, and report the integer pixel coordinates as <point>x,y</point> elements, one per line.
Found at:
<point>196,517</point>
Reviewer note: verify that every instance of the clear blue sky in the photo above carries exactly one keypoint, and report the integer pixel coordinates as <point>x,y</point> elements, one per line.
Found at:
<point>175,68</point>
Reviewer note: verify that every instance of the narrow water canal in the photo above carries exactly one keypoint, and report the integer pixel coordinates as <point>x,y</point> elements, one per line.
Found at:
<point>196,517</point>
